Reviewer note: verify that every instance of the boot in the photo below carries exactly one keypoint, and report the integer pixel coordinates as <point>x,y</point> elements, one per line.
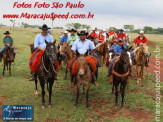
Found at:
<point>96,84</point>
<point>31,79</point>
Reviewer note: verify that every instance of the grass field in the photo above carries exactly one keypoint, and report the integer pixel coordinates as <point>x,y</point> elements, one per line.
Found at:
<point>139,99</point>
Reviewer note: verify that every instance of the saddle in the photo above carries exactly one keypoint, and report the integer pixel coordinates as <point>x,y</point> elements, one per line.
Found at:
<point>117,74</point>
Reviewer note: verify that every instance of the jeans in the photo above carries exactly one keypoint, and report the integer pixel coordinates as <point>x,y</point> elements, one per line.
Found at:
<point>3,49</point>
<point>110,64</point>
<point>96,56</point>
<point>148,54</point>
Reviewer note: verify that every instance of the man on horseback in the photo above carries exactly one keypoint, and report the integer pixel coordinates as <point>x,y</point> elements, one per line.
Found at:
<point>121,35</point>
<point>73,37</point>
<point>8,42</point>
<point>111,32</point>
<point>140,40</point>
<point>40,44</point>
<point>118,51</point>
<point>82,46</point>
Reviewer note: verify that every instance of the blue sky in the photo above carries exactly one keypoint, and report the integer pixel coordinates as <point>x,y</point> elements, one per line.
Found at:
<point>107,12</point>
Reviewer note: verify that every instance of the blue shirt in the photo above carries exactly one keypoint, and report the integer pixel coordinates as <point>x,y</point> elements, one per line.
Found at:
<point>83,47</point>
<point>64,39</point>
<point>118,49</point>
<point>40,40</point>
<point>112,47</point>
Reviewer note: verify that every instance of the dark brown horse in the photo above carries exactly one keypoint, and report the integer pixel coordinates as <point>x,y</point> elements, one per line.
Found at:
<point>46,71</point>
<point>121,70</point>
<point>8,58</point>
<point>84,77</point>
<point>102,51</point>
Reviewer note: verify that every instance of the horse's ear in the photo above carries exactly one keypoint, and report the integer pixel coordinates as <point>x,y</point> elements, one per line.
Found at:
<point>130,48</point>
<point>77,53</point>
<point>46,42</point>
<point>122,47</point>
<point>54,42</point>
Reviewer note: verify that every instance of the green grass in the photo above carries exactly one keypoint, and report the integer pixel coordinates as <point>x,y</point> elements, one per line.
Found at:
<point>19,90</point>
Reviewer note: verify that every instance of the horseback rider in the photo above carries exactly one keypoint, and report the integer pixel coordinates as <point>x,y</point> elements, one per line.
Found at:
<point>82,46</point>
<point>111,32</point>
<point>118,51</point>
<point>8,42</point>
<point>121,35</point>
<point>40,44</point>
<point>114,44</point>
<point>140,40</point>
<point>73,37</point>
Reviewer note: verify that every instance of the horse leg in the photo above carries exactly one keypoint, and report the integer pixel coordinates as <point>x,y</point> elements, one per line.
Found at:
<point>87,95</point>
<point>35,78</point>
<point>137,72</point>
<point>4,69</point>
<point>116,95</point>
<point>142,73</point>
<point>50,93</point>
<point>123,93</point>
<point>43,93</point>
<point>77,96</point>
<point>113,87</point>
<point>47,92</point>
<point>83,92</point>
<point>66,72</point>
<point>10,68</point>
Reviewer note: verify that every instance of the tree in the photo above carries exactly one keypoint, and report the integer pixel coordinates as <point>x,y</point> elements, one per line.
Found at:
<point>88,27</point>
<point>129,28</point>
<point>148,29</point>
<point>77,25</point>
<point>13,23</point>
<point>25,25</point>
<point>69,25</point>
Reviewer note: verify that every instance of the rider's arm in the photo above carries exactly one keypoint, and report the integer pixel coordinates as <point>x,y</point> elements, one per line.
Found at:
<point>6,44</point>
<point>36,44</point>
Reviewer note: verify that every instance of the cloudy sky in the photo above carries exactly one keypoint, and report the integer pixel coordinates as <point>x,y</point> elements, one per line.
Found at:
<point>107,12</point>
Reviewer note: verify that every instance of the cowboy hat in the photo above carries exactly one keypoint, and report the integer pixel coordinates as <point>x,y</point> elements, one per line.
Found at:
<point>73,30</point>
<point>141,32</point>
<point>121,30</point>
<point>7,32</point>
<point>82,33</point>
<point>44,27</point>
<point>112,29</point>
<point>65,32</point>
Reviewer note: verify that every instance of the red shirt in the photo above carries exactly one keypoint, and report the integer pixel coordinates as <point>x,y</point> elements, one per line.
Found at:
<point>94,35</point>
<point>101,38</point>
<point>138,40</point>
<point>111,33</point>
<point>121,35</point>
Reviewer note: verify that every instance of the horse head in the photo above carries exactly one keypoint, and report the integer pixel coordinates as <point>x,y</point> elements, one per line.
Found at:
<point>9,54</point>
<point>64,48</point>
<point>50,51</point>
<point>111,54</point>
<point>126,56</point>
<point>144,47</point>
<point>82,63</point>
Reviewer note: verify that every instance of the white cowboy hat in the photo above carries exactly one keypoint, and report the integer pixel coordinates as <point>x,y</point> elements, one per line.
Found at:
<point>141,32</point>
<point>65,32</point>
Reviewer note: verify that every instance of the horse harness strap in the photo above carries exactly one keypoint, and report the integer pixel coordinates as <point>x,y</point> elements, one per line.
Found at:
<point>117,74</point>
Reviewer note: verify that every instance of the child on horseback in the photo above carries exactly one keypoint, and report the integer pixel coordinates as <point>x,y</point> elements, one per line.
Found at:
<point>8,42</point>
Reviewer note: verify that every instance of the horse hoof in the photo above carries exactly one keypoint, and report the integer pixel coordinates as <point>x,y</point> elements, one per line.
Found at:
<point>87,106</point>
<point>75,106</point>
<point>43,106</point>
<point>116,107</point>
<point>47,94</point>
<point>49,106</point>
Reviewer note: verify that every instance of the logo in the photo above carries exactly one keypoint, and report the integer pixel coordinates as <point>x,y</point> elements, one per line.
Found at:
<point>17,112</point>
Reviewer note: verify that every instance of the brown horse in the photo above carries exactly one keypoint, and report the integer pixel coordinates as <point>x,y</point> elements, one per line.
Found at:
<point>102,51</point>
<point>67,52</point>
<point>8,58</point>
<point>140,58</point>
<point>84,77</point>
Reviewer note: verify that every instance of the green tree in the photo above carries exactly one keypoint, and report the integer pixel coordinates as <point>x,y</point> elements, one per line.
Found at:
<point>77,25</point>
<point>129,28</point>
<point>148,29</point>
<point>69,25</point>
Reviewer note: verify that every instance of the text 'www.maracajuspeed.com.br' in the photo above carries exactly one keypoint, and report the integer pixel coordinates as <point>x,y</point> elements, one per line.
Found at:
<point>49,16</point>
